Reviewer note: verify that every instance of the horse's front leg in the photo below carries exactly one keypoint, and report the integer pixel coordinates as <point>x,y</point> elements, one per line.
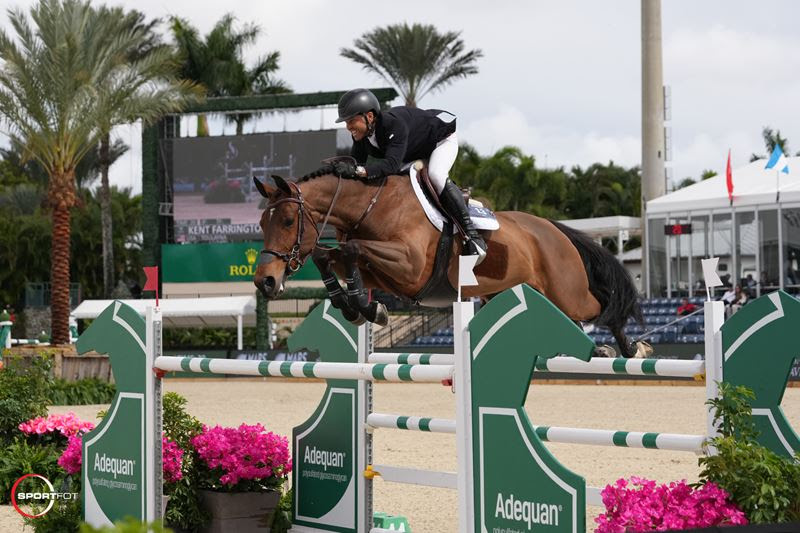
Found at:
<point>357,296</point>
<point>322,260</point>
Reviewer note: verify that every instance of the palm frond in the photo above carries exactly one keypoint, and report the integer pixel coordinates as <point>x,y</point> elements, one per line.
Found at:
<point>415,59</point>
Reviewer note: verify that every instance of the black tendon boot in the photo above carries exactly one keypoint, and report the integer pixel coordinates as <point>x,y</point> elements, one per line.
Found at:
<point>453,202</point>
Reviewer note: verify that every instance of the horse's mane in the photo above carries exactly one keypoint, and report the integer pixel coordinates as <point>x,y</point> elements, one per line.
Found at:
<point>312,176</point>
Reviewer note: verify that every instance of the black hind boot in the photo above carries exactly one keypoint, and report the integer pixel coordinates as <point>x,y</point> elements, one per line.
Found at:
<point>453,202</point>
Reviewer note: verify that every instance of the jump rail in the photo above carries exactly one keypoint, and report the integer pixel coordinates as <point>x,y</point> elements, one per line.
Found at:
<point>615,366</point>
<point>294,369</point>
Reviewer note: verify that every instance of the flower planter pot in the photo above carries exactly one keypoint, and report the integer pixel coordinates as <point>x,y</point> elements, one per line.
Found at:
<point>240,512</point>
<point>164,501</point>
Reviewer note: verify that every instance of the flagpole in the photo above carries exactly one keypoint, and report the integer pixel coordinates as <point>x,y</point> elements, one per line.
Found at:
<point>777,184</point>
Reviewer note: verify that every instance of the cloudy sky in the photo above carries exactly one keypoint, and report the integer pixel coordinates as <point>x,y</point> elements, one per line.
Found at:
<point>561,78</point>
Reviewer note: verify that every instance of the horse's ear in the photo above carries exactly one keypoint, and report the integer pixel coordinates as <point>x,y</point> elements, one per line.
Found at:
<point>263,189</point>
<point>282,185</point>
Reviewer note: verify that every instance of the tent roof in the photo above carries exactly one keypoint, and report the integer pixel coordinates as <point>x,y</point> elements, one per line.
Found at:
<point>605,226</point>
<point>752,185</point>
<point>184,312</point>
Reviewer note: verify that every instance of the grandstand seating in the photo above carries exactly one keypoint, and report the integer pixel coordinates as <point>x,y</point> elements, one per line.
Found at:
<point>657,312</point>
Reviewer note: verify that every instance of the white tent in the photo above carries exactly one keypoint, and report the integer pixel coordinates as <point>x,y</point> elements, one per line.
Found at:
<point>227,311</point>
<point>752,185</point>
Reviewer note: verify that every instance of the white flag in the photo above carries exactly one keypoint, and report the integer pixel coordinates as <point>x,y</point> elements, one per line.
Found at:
<point>465,265</point>
<point>710,272</point>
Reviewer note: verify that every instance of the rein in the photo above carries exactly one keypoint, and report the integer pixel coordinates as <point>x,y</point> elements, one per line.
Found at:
<point>294,260</point>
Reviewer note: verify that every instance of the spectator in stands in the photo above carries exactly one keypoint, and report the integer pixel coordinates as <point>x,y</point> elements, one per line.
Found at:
<point>729,295</point>
<point>686,307</point>
<point>739,299</point>
<point>750,283</point>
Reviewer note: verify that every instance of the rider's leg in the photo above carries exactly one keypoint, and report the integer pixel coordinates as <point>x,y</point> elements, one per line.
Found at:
<point>441,161</point>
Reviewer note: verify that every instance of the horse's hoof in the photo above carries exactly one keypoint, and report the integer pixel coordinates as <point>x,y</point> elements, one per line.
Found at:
<point>605,351</point>
<point>643,350</point>
<point>358,320</point>
<point>381,315</point>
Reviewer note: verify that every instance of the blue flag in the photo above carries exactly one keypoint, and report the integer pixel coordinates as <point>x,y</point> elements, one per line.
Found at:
<point>778,161</point>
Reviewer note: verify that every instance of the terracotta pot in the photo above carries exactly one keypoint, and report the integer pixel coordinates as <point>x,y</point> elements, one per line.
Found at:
<point>240,512</point>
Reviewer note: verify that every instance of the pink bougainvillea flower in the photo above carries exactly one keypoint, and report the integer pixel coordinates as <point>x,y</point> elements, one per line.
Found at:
<point>642,505</point>
<point>67,425</point>
<point>246,453</point>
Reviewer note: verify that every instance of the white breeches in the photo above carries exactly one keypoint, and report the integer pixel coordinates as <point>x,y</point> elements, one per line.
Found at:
<point>441,161</point>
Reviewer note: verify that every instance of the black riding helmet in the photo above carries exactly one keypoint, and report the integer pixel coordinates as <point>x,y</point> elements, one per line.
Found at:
<point>357,102</point>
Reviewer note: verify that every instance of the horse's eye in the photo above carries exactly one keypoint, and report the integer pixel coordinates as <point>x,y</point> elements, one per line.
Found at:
<point>288,222</point>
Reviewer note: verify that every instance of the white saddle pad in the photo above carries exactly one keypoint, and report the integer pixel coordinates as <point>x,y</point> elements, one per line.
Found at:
<point>482,217</point>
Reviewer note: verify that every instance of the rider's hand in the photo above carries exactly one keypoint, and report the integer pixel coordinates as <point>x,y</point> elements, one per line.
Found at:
<point>344,169</point>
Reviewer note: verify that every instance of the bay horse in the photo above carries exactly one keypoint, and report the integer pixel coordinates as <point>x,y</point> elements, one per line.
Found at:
<point>389,244</point>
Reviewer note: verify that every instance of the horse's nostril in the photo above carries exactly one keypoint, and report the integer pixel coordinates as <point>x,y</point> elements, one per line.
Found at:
<point>268,283</point>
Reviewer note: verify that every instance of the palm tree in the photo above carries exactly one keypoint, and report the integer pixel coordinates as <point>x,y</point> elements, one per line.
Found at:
<point>416,59</point>
<point>59,76</point>
<point>256,80</point>
<point>216,62</point>
<point>144,88</point>
<point>772,138</point>
<point>509,178</point>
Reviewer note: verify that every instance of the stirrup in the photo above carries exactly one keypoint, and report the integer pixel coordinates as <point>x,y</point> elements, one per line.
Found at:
<point>474,249</point>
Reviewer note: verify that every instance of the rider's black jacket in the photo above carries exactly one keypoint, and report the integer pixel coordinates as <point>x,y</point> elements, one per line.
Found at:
<point>403,134</point>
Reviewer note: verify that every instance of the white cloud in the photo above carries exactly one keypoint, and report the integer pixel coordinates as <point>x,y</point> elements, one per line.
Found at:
<point>561,79</point>
<point>553,146</point>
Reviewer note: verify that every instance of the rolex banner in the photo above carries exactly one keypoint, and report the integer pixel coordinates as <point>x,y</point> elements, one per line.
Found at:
<point>217,262</point>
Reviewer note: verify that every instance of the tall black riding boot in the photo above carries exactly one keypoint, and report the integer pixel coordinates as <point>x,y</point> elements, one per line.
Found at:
<point>453,202</point>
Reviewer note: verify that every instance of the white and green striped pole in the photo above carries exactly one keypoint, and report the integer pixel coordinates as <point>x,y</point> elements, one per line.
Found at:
<point>569,365</point>
<point>412,358</point>
<point>296,369</point>
<point>412,423</point>
<point>622,439</point>
<point>621,366</point>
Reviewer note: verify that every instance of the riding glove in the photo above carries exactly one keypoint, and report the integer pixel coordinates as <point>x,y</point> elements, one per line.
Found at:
<point>344,169</point>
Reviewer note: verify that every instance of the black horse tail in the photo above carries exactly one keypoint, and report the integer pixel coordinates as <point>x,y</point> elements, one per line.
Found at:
<point>610,284</point>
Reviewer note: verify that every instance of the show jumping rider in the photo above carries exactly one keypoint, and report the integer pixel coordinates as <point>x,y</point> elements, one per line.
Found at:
<point>401,135</point>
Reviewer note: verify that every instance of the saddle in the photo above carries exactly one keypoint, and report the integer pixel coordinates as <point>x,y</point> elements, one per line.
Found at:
<point>482,217</point>
<point>438,291</point>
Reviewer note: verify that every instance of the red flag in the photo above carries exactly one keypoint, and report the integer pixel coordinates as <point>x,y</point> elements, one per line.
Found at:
<point>152,280</point>
<point>729,178</point>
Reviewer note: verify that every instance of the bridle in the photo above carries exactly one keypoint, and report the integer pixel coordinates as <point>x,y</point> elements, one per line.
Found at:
<point>294,258</point>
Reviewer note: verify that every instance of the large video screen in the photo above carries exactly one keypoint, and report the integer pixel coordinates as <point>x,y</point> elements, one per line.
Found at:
<point>214,196</point>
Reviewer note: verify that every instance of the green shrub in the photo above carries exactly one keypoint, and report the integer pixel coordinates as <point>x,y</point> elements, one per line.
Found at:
<point>206,338</point>
<point>64,517</point>
<point>24,389</point>
<point>20,458</point>
<point>282,520</point>
<point>179,426</point>
<point>88,391</point>
<point>765,485</point>
<point>184,509</point>
<point>129,525</point>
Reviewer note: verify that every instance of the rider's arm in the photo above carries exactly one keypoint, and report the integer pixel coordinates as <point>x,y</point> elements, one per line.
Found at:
<point>395,152</point>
